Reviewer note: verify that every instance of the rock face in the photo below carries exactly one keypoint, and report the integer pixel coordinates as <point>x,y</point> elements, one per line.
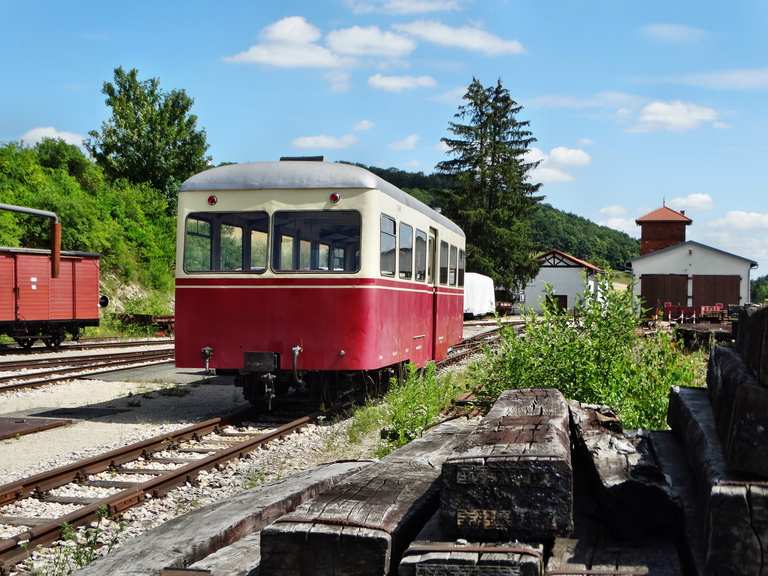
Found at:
<point>735,509</point>
<point>433,553</point>
<point>512,477</point>
<point>363,525</point>
<point>632,492</point>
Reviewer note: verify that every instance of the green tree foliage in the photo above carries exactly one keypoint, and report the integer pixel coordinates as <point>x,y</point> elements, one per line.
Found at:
<point>602,358</point>
<point>550,227</point>
<point>129,224</point>
<point>151,136</point>
<point>493,198</point>
<point>760,290</point>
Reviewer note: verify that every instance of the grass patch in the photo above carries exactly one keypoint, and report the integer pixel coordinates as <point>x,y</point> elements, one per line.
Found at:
<point>600,358</point>
<point>408,408</point>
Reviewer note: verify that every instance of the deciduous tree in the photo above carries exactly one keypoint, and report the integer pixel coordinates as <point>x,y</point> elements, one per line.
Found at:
<point>151,136</point>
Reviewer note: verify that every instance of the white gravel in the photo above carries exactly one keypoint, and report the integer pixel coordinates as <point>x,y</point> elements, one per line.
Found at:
<point>10,531</point>
<point>33,508</point>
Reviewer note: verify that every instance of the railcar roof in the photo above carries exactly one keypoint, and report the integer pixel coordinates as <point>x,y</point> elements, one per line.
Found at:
<point>298,175</point>
<point>64,253</point>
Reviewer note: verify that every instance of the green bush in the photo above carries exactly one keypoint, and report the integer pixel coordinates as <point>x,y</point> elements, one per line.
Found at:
<point>596,354</point>
<point>409,407</point>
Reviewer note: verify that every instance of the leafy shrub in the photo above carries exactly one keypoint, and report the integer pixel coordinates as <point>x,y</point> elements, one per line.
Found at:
<point>409,407</point>
<point>596,354</point>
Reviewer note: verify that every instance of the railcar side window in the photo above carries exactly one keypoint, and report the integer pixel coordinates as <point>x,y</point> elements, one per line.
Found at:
<point>462,263</point>
<point>387,246</point>
<point>226,242</point>
<point>452,271</point>
<point>431,261</point>
<point>316,241</point>
<point>197,245</point>
<point>421,256</point>
<point>406,251</point>
<point>443,262</point>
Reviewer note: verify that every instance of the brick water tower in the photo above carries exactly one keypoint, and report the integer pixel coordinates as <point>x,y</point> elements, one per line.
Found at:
<point>662,228</point>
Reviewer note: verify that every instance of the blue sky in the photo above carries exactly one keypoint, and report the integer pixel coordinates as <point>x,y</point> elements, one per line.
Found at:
<point>631,103</point>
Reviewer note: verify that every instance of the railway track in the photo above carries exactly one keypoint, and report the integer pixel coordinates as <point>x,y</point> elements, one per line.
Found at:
<point>66,368</point>
<point>157,465</point>
<point>88,344</point>
<point>474,344</point>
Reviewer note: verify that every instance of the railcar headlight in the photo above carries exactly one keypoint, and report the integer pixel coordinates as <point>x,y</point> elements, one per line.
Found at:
<point>212,200</point>
<point>334,198</point>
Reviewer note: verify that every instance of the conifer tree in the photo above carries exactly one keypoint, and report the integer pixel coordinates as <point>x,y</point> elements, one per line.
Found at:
<point>493,196</point>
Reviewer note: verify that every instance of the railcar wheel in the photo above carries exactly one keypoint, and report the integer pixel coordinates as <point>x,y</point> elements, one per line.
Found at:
<point>25,343</point>
<point>53,341</point>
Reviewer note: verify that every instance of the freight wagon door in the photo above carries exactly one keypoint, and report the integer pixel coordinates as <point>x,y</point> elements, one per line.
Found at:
<point>32,286</point>
<point>709,289</point>
<point>87,289</point>
<point>7,284</point>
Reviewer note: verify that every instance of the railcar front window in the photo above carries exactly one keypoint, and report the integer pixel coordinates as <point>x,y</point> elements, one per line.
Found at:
<point>462,263</point>
<point>231,248</point>
<point>197,245</point>
<point>316,241</point>
<point>226,242</point>
<point>387,245</point>
<point>421,256</point>
<point>454,262</point>
<point>406,251</point>
<point>443,262</point>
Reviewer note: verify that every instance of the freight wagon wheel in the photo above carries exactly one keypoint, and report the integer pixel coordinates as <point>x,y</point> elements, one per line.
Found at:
<point>53,341</point>
<point>25,343</point>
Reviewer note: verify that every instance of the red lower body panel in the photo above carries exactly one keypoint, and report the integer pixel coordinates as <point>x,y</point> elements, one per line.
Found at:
<point>342,325</point>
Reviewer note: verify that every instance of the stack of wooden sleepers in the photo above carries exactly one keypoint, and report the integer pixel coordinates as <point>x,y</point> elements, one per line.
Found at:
<point>724,433</point>
<point>496,498</point>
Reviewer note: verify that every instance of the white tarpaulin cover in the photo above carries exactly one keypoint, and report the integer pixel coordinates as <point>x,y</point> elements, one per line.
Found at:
<point>479,298</point>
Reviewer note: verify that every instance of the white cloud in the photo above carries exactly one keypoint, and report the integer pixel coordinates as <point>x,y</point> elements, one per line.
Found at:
<point>403,6</point>
<point>466,37</point>
<point>364,125</point>
<point>694,201</point>
<point>626,225</point>
<point>407,143</point>
<point>613,211</point>
<point>452,96</point>
<point>290,43</point>
<point>323,141</point>
<point>569,156</point>
<point>606,99</point>
<point>369,41</point>
<point>442,147</point>
<point>741,220</point>
<point>673,116</point>
<point>35,135</point>
<point>585,142</point>
<point>736,79</point>
<point>338,80</point>
<point>553,166</point>
<point>673,33</point>
<point>412,164</point>
<point>400,83</point>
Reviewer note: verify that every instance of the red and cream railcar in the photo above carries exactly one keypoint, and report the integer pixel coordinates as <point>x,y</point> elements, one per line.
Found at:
<point>299,271</point>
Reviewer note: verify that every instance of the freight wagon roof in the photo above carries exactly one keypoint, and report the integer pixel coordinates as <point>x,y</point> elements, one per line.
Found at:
<point>301,175</point>
<point>64,253</point>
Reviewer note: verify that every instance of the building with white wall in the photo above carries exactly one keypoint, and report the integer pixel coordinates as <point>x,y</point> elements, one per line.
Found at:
<point>566,274</point>
<point>671,271</point>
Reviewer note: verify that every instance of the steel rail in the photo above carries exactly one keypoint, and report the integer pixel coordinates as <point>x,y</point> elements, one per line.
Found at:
<point>87,345</point>
<point>32,380</point>
<point>67,360</point>
<point>18,548</point>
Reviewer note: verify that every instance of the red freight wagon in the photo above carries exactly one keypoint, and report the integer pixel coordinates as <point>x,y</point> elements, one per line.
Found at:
<point>298,273</point>
<point>33,305</point>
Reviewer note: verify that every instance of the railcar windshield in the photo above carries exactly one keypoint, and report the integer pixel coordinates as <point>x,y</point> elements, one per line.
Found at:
<point>226,242</point>
<point>316,241</point>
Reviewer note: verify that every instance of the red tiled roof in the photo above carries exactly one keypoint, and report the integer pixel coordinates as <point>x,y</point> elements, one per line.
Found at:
<point>567,256</point>
<point>664,214</point>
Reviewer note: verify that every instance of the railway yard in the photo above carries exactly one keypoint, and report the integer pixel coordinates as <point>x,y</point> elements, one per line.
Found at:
<point>113,423</point>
